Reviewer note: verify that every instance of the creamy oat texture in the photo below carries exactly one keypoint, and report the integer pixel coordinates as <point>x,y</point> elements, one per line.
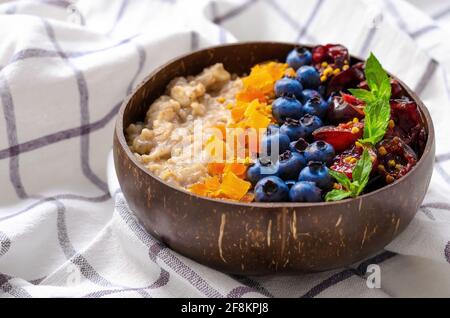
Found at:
<point>164,142</point>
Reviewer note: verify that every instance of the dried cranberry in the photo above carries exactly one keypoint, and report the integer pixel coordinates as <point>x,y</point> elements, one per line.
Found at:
<point>407,124</point>
<point>341,137</point>
<point>396,159</point>
<point>344,108</point>
<point>331,53</point>
<point>347,79</point>
<point>346,161</point>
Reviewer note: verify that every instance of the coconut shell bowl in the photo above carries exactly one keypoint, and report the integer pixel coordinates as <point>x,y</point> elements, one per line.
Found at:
<point>262,238</point>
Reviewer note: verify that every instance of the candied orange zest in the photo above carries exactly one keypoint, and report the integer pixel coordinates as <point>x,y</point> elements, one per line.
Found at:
<point>252,109</point>
<point>239,169</point>
<point>248,197</point>
<point>215,168</point>
<point>234,187</point>
<point>206,188</point>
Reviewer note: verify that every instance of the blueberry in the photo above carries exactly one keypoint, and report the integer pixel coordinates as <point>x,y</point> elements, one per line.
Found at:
<point>316,106</point>
<point>273,140</point>
<point>298,146</point>
<point>273,129</point>
<point>319,151</point>
<point>290,165</point>
<point>286,107</point>
<point>309,77</point>
<point>261,169</point>
<point>308,94</point>
<point>322,90</point>
<point>302,128</point>
<point>305,191</point>
<point>290,183</point>
<point>299,57</point>
<point>316,172</point>
<point>289,87</point>
<point>310,123</point>
<point>271,189</point>
<point>293,129</point>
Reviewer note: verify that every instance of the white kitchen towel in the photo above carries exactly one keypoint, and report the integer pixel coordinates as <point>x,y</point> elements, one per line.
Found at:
<point>66,66</point>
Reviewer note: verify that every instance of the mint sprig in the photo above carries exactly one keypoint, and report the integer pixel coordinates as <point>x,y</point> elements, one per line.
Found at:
<point>378,110</point>
<point>360,178</point>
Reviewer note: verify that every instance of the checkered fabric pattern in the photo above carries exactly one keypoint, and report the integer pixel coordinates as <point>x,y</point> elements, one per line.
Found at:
<point>66,66</point>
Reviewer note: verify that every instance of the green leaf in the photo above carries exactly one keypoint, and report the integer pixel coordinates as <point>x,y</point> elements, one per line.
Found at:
<point>337,195</point>
<point>378,110</point>
<point>385,89</point>
<point>361,173</point>
<point>375,74</point>
<point>362,94</point>
<point>341,178</point>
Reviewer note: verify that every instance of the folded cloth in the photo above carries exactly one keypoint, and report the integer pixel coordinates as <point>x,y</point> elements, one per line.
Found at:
<point>65,67</point>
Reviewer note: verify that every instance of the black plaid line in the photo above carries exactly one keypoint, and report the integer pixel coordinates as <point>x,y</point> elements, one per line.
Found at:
<point>390,5</point>
<point>11,132</point>
<point>443,157</point>
<point>5,244</point>
<point>347,273</point>
<point>441,14</point>
<point>161,281</point>
<point>422,31</point>
<point>83,93</point>
<point>60,135</point>
<point>120,13</point>
<point>178,266</point>
<point>292,22</point>
<point>367,41</point>
<point>14,291</point>
<point>11,9</point>
<point>438,205</point>
<point>425,78</point>
<point>234,12</point>
<point>314,12</point>
<point>86,269</point>
<point>214,12</point>
<point>434,205</point>
<point>64,196</point>
<point>251,286</point>
<point>77,131</point>
<point>441,171</point>
<point>427,212</point>
<point>195,40</point>
<point>57,3</point>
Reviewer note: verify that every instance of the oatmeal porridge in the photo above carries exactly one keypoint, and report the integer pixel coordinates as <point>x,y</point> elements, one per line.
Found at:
<point>164,141</point>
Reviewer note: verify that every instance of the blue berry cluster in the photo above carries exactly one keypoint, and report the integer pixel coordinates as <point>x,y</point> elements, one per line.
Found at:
<point>300,173</point>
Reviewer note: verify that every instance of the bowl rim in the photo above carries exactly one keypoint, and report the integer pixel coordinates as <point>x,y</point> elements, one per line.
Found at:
<point>119,133</point>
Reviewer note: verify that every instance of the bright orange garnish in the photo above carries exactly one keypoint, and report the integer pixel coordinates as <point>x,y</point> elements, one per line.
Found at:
<point>215,168</point>
<point>252,109</point>
<point>234,187</point>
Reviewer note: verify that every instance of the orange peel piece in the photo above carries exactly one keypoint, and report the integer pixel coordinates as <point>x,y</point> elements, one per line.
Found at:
<point>234,187</point>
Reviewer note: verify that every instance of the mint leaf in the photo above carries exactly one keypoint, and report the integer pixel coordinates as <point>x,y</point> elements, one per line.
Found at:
<point>375,74</point>
<point>378,109</point>
<point>360,178</point>
<point>385,89</point>
<point>361,172</point>
<point>362,94</point>
<point>341,178</point>
<point>337,195</point>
